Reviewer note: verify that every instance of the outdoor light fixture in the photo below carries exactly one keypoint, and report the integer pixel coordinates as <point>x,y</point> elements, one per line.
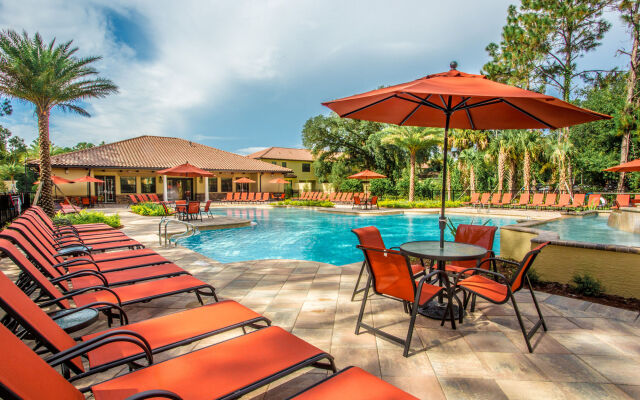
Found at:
<point>66,170</point>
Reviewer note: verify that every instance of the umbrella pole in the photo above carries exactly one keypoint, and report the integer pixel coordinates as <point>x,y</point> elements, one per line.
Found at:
<point>443,220</point>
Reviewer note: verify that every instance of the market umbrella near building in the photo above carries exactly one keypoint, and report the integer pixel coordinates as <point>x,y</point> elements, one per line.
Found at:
<point>89,179</point>
<point>244,181</point>
<point>56,181</point>
<point>631,166</point>
<point>279,181</point>
<point>365,176</point>
<point>185,170</point>
<point>459,100</point>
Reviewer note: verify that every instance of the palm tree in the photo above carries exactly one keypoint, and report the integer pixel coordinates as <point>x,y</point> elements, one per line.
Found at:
<point>412,139</point>
<point>532,145</point>
<point>10,171</point>
<point>48,75</point>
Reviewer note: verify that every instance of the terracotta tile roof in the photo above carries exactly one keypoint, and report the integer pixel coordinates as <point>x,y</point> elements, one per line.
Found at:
<point>158,152</point>
<point>283,153</point>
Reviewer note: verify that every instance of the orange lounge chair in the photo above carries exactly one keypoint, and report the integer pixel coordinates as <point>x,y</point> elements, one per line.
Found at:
<point>353,383</point>
<point>349,198</point>
<point>39,212</point>
<point>506,200</point>
<point>538,201</point>
<point>160,334</point>
<point>229,369</point>
<point>594,200</point>
<point>144,198</point>
<point>236,196</point>
<point>578,201</point>
<point>243,197</point>
<point>105,297</point>
<point>332,197</point>
<point>622,200</point>
<point>497,289</point>
<point>154,198</point>
<point>550,200</point>
<point>391,276</point>
<point>251,197</point>
<point>563,201</point>
<point>228,198</point>
<point>474,198</point>
<point>485,199</point>
<point>524,200</point>
<point>107,234</point>
<point>495,199</point>
<point>265,197</point>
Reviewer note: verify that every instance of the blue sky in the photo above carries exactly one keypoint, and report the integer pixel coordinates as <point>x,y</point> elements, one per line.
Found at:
<point>244,75</point>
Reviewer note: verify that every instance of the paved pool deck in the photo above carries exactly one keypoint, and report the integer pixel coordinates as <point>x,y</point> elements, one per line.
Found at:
<point>590,351</point>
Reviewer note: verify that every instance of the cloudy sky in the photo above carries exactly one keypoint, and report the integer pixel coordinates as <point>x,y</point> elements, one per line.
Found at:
<point>244,75</point>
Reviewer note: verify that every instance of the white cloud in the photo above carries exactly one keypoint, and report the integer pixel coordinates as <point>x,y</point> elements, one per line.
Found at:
<point>203,53</point>
<point>249,150</point>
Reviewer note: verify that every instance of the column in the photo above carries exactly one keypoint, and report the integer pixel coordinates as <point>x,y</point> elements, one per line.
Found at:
<point>206,188</point>
<point>165,197</point>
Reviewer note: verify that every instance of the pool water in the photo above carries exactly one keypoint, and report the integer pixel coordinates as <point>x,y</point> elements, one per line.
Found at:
<point>591,228</point>
<point>285,233</point>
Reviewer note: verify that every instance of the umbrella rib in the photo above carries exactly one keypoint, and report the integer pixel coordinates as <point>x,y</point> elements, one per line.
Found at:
<point>461,104</point>
<point>368,105</point>
<point>413,112</point>
<point>487,102</point>
<point>423,102</point>
<point>529,114</point>
<point>473,126</point>
<point>444,102</point>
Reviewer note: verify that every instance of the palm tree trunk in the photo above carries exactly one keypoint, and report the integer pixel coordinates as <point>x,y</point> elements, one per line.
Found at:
<point>501,159</point>
<point>46,197</point>
<point>412,175</point>
<point>512,175</point>
<point>628,109</point>
<point>472,179</point>
<point>527,171</point>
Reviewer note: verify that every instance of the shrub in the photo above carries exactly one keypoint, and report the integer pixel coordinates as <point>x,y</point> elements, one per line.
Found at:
<point>534,277</point>
<point>148,209</point>
<point>587,285</point>
<point>304,203</point>
<point>351,185</point>
<point>382,187</point>
<point>88,217</point>
<point>417,204</point>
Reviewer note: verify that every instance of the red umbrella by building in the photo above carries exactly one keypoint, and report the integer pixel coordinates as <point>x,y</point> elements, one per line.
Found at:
<point>456,99</point>
<point>365,176</point>
<point>89,179</point>
<point>631,166</point>
<point>244,181</point>
<point>56,180</point>
<point>279,181</point>
<point>187,170</point>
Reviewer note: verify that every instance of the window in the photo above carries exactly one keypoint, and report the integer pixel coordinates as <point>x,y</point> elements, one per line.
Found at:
<point>147,184</point>
<point>274,163</point>
<point>306,167</point>
<point>284,163</point>
<point>127,184</point>
<point>213,184</point>
<point>226,185</point>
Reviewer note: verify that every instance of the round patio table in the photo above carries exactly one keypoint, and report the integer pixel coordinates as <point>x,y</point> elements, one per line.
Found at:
<point>77,320</point>
<point>452,251</point>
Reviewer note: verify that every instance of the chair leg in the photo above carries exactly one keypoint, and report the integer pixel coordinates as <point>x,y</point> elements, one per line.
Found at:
<point>526,334</point>
<point>355,289</point>
<point>412,323</point>
<point>535,302</point>
<point>364,303</point>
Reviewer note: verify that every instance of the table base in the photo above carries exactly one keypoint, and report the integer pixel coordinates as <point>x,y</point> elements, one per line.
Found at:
<point>435,310</point>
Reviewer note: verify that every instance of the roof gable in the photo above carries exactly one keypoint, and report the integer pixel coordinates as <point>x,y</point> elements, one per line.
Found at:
<point>283,153</point>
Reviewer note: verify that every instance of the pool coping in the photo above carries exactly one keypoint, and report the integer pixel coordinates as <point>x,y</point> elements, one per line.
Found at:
<point>553,238</point>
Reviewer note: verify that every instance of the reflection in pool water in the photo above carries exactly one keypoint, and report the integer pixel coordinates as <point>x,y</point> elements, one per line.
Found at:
<point>281,233</point>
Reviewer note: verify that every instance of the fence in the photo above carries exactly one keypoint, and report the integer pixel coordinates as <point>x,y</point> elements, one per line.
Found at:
<point>12,204</point>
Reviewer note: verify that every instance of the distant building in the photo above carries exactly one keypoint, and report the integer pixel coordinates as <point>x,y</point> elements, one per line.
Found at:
<point>129,167</point>
<point>300,161</point>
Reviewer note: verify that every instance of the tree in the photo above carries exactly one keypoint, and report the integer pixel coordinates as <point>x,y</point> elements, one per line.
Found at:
<point>412,139</point>
<point>48,76</point>
<point>629,121</point>
<point>9,171</point>
<point>531,145</point>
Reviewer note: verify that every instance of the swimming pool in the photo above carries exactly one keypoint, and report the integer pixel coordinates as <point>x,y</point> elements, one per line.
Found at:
<point>285,233</point>
<point>590,228</point>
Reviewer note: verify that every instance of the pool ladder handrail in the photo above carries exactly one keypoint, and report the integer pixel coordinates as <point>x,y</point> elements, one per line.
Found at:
<point>190,230</point>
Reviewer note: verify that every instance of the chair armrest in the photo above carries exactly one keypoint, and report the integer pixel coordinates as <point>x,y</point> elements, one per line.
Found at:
<point>81,273</point>
<point>72,293</point>
<point>480,270</point>
<point>494,259</point>
<point>75,261</point>
<point>99,341</point>
<point>152,394</point>
<point>124,319</point>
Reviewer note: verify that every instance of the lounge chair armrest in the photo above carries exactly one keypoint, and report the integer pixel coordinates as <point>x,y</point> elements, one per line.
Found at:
<point>124,319</point>
<point>75,261</point>
<point>99,341</point>
<point>81,273</point>
<point>72,293</point>
<point>152,394</point>
<point>482,271</point>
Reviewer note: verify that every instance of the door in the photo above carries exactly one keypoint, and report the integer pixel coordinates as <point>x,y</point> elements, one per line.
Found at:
<point>180,189</point>
<point>106,191</point>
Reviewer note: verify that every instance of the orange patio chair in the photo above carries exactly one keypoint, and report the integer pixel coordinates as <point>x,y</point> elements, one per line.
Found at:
<point>563,201</point>
<point>622,200</point>
<point>223,370</point>
<point>538,200</point>
<point>31,216</point>
<point>265,197</point>
<point>506,200</point>
<point>133,199</point>
<point>251,197</point>
<point>243,196</point>
<point>236,196</point>
<point>474,198</point>
<point>356,203</point>
<point>228,198</point>
<point>495,199</point>
<point>193,210</point>
<point>500,290</point>
<point>524,200</point>
<point>479,235</point>
<point>550,200</point>
<point>332,197</point>
<point>159,334</point>
<point>594,200</point>
<point>374,202</point>
<point>349,198</point>
<point>39,212</point>
<point>485,199</point>
<point>154,198</point>
<point>578,201</point>
<point>391,276</point>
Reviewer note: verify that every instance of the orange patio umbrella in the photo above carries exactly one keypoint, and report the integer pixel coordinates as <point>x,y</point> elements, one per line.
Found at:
<point>56,180</point>
<point>631,166</point>
<point>456,99</point>
<point>244,180</point>
<point>365,176</point>
<point>187,170</point>
<point>279,181</point>
<point>89,179</point>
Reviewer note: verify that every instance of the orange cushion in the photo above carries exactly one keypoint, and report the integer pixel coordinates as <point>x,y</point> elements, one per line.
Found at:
<point>126,263</point>
<point>354,384</point>
<point>134,274</point>
<point>485,287</point>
